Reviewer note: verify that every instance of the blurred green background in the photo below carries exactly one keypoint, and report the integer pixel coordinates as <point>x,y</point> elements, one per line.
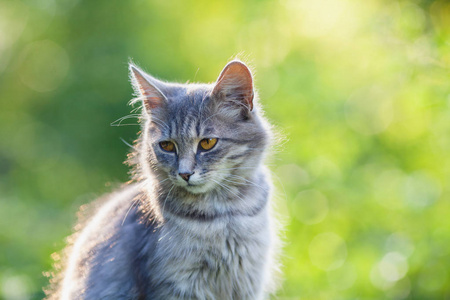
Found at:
<point>360,89</point>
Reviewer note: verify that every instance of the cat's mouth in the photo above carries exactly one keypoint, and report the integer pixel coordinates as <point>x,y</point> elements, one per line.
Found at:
<point>195,184</point>
<point>196,188</point>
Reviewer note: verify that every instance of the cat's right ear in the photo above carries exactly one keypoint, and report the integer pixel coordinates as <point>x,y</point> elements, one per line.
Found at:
<point>151,96</point>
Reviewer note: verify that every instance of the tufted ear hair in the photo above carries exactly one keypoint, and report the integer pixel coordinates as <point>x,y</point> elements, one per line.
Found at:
<point>146,87</point>
<point>235,84</point>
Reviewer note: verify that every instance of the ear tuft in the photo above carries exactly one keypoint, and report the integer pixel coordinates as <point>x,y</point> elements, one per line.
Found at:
<point>235,83</point>
<point>151,96</point>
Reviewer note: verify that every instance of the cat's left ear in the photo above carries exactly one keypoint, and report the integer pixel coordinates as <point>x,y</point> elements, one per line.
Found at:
<point>235,83</point>
<point>145,85</point>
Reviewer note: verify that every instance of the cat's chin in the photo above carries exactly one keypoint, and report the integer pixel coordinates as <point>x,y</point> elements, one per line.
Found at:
<point>197,189</point>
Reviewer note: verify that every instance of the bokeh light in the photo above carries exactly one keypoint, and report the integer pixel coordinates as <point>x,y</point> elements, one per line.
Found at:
<point>310,207</point>
<point>327,251</point>
<point>43,65</point>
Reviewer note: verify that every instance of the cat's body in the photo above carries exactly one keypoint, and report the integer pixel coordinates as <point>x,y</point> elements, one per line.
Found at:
<point>196,223</point>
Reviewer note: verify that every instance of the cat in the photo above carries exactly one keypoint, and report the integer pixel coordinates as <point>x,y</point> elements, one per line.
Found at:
<point>195,222</point>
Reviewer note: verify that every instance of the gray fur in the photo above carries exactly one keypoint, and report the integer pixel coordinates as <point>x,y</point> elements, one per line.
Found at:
<point>164,238</point>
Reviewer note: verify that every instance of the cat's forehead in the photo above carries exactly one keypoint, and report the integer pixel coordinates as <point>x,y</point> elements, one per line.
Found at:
<point>187,112</point>
<point>187,100</point>
<point>178,94</point>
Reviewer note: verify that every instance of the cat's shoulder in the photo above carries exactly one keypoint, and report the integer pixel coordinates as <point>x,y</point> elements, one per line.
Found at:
<point>109,205</point>
<point>104,219</point>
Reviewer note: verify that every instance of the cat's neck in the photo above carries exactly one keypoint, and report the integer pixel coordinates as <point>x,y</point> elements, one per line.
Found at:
<point>239,196</point>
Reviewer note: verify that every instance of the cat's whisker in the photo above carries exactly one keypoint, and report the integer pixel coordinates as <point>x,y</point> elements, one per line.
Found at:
<point>126,125</point>
<point>246,180</point>
<point>237,183</point>
<point>160,122</point>
<point>129,209</point>
<point>223,186</point>
<point>136,109</point>
<point>128,144</point>
<point>165,200</point>
<point>229,189</point>
<point>164,180</point>
<point>240,168</point>
<point>119,121</point>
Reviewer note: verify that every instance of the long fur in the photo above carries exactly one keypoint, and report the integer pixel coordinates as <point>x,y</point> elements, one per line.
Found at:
<point>160,237</point>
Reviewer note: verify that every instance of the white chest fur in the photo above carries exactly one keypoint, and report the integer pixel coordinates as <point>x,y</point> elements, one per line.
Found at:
<point>221,259</point>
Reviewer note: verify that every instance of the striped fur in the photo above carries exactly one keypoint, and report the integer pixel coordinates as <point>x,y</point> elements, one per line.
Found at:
<point>162,237</point>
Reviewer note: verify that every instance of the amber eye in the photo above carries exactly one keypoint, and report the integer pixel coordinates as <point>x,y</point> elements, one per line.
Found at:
<point>207,144</point>
<point>167,146</point>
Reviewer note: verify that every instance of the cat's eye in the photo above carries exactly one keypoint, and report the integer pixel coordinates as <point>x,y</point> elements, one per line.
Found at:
<point>207,144</point>
<point>167,146</point>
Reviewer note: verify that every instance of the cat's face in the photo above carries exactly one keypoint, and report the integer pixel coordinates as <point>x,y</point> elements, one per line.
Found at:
<point>200,137</point>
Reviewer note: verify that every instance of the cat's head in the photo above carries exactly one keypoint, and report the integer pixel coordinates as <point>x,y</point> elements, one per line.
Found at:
<point>201,136</point>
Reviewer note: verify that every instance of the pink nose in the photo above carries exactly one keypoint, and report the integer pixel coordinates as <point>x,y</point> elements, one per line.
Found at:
<point>185,176</point>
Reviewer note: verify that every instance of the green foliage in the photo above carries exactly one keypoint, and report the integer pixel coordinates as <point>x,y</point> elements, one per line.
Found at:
<point>359,88</point>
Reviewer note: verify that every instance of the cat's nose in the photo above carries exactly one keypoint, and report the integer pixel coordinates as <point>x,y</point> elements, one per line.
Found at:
<point>185,176</point>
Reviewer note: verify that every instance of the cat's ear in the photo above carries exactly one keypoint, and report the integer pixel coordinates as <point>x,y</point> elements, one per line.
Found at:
<point>145,86</point>
<point>235,83</point>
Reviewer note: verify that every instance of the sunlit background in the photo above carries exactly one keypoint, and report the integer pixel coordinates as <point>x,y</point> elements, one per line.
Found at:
<point>360,90</point>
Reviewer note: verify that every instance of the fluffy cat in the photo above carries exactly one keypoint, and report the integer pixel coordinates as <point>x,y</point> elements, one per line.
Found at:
<point>195,223</point>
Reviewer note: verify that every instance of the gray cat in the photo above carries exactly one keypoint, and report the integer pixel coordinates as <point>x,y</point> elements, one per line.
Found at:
<point>195,222</point>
